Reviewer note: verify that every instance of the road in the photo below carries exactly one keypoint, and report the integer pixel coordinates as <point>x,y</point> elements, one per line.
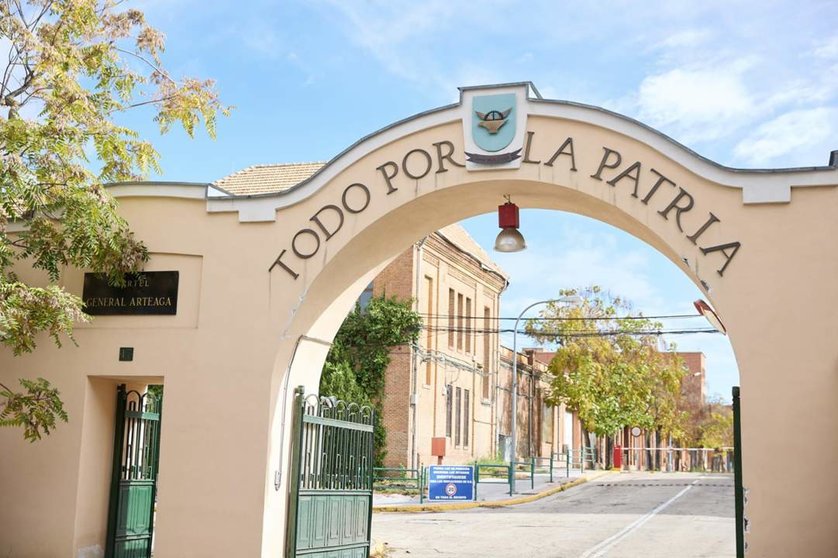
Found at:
<point>620,515</point>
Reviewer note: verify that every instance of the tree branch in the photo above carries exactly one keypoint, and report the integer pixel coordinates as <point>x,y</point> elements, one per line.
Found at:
<point>147,61</point>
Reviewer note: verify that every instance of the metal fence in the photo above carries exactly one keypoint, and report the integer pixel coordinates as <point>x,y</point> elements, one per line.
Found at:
<point>706,460</point>
<point>585,458</point>
<point>492,473</point>
<point>409,481</point>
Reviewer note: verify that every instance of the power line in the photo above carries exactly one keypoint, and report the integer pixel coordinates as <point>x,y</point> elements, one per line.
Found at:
<point>569,319</point>
<point>581,333</point>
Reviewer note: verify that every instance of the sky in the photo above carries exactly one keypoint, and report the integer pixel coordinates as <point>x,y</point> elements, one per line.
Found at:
<point>747,84</point>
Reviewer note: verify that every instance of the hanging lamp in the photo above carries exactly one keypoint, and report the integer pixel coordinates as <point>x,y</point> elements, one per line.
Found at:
<point>509,239</point>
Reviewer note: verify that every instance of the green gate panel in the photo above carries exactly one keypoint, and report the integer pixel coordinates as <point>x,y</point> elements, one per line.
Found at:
<point>330,497</point>
<point>136,499</point>
<point>134,475</point>
<point>140,548</point>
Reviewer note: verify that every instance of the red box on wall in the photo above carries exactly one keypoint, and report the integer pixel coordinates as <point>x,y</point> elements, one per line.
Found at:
<point>438,447</point>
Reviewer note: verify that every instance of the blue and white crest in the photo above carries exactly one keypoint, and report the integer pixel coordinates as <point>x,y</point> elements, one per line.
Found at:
<point>493,121</point>
<point>494,125</point>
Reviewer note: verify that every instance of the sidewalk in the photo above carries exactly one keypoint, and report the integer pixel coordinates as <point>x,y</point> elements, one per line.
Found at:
<point>490,493</point>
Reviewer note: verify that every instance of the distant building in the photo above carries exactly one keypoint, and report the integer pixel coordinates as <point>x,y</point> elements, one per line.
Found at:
<point>444,386</point>
<point>456,384</point>
<point>693,386</point>
<point>543,429</point>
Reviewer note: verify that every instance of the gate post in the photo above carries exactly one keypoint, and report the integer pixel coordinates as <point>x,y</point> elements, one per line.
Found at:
<point>738,491</point>
<point>294,475</point>
<point>118,435</point>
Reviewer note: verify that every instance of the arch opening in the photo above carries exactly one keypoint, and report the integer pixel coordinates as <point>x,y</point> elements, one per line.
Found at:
<point>388,236</point>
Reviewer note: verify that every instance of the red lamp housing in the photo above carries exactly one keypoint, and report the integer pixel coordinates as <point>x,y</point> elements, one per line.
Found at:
<point>508,216</point>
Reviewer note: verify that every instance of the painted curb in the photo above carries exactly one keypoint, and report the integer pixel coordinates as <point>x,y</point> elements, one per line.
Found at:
<point>415,508</point>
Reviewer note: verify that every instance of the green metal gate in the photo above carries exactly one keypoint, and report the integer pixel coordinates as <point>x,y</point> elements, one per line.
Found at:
<point>330,499</point>
<point>134,477</point>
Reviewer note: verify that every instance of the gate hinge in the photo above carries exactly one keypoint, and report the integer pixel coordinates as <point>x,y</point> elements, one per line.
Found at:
<point>277,479</point>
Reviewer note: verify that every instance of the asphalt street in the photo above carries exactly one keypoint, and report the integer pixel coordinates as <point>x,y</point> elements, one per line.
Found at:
<point>620,515</point>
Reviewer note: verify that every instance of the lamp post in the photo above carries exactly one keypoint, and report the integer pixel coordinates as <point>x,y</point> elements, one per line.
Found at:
<point>572,299</point>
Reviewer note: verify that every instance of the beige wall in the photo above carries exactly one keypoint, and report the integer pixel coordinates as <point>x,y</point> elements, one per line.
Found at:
<point>226,360</point>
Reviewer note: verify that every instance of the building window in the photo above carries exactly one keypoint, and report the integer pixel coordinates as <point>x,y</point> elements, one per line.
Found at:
<point>364,299</point>
<point>466,415</point>
<point>451,314</point>
<point>448,404</point>
<point>459,411</point>
<point>429,339</point>
<point>459,322</point>
<point>487,352</point>
<point>468,328</point>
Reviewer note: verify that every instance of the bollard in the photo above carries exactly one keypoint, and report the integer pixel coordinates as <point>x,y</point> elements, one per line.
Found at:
<point>509,472</point>
<point>421,484</point>
<point>551,467</point>
<point>476,478</point>
<point>532,473</point>
<point>567,458</point>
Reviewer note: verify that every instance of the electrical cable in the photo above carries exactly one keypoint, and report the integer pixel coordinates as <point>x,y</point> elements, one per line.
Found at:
<point>569,319</point>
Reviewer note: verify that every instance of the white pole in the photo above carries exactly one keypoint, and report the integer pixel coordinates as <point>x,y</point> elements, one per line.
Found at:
<point>574,299</point>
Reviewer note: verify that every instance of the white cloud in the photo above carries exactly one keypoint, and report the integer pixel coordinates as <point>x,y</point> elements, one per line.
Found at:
<point>391,31</point>
<point>688,38</point>
<point>827,49</point>
<point>788,133</point>
<point>700,104</point>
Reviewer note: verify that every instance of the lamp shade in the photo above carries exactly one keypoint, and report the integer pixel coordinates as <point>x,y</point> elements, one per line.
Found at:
<point>510,240</point>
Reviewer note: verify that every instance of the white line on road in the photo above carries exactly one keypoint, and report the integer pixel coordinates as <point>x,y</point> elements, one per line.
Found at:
<point>601,548</point>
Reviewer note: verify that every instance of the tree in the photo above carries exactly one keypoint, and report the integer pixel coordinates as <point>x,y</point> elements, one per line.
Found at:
<point>717,428</point>
<point>608,368</point>
<point>359,356</point>
<point>74,67</point>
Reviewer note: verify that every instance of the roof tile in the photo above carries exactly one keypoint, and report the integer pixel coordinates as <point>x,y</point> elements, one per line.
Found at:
<point>264,179</point>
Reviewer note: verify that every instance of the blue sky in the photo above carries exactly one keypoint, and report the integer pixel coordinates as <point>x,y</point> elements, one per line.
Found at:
<point>745,83</point>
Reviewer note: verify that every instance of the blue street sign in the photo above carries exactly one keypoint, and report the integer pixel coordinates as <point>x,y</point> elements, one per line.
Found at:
<point>451,482</point>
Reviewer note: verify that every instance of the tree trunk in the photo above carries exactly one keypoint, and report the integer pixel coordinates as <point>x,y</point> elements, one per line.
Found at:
<point>647,441</point>
<point>658,447</point>
<point>582,446</point>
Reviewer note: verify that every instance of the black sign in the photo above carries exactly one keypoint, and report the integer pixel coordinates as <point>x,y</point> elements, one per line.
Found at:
<point>146,293</point>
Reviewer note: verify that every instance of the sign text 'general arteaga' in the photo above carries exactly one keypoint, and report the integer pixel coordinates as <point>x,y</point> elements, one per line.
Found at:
<point>146,293</point>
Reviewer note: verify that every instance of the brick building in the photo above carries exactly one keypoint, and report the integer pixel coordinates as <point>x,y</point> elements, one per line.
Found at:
<point>456,384</point>
<point>543,430</point>
<point>444,386</point>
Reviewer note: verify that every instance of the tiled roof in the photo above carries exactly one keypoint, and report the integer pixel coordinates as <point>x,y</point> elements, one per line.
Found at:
<point>458,236</point>
<point>263,179</point>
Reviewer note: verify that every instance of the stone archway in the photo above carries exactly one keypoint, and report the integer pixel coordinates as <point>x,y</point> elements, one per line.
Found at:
<point>266,281</point>
<point>720,226</point>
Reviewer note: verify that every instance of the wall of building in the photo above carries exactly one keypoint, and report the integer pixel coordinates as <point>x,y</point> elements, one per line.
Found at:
<point>453,359</point>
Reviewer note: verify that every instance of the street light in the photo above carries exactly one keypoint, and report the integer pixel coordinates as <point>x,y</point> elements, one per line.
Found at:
<point>510,238</point>
<point>571,299</point>
<point>707,311</point>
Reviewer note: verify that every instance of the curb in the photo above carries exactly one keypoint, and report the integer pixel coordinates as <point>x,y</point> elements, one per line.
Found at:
<point>414,508</point>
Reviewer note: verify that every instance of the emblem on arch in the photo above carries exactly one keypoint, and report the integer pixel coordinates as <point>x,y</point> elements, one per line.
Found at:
<point>493,127</point>
<point>493,120</point>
